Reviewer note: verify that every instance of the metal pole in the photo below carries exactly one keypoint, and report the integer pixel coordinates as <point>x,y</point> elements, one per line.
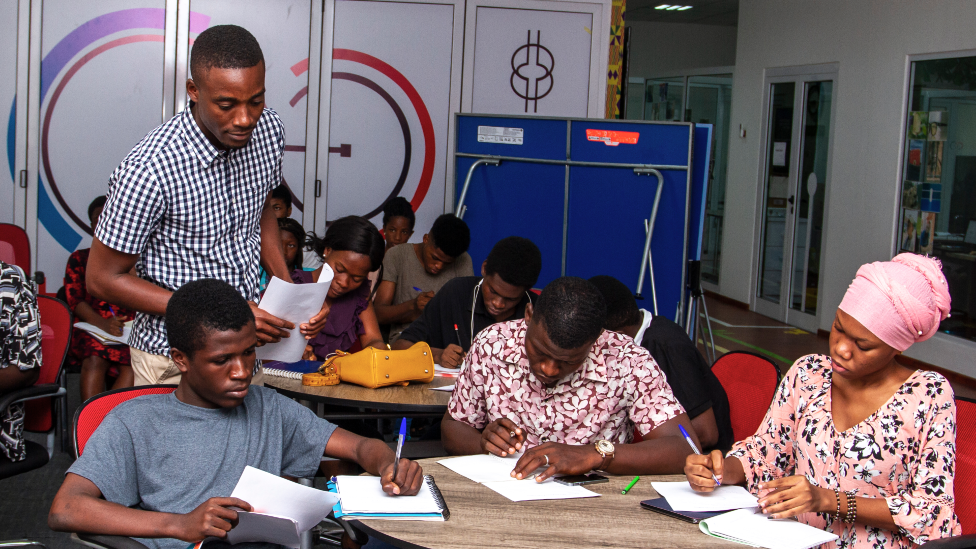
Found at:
<point>642,167</point>
<point>459,212</point>
<point>650,229</point>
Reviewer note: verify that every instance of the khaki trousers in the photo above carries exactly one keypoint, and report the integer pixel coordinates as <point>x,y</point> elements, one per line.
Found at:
<point>160,370</point>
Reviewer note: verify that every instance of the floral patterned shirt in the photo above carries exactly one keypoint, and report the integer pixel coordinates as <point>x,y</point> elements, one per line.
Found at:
<point>904,452</point>
<point>617,387</point>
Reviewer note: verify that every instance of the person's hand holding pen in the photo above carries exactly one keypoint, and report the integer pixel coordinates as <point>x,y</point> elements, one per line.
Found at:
<point>502,437</point>
<point>452,356</point>
<point>422,300</point>
<point>705,472</point>
<point>114,324</point>
<point>408,480</point>
<point>557,459</point>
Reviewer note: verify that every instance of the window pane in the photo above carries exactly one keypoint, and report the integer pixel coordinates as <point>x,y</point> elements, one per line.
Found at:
<point>664,99</point>
<point>777,189</point>
<point>938,202</point>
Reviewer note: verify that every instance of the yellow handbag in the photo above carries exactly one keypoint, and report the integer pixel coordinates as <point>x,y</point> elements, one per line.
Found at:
<point>374,368</point>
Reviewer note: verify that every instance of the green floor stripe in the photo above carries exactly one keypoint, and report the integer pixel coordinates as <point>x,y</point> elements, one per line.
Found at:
<point>721,334</point>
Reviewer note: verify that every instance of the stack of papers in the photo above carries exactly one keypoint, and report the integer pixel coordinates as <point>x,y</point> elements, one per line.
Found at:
<point>443,371</point>
<point>445,388</point>
<point>495,473</point>
<point>681,497</point>
<point>751,528</point>
<point>363,497</point>
<point>282,509</point>
<point>104,337</point>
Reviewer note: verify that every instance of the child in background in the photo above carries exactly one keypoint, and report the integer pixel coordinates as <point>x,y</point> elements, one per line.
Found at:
<point>96,359</point>
<point>398,222</point>
<point>281,200</point>
<point>292,242</point>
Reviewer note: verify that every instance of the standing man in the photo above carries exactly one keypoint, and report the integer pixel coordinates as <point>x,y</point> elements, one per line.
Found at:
<point>193,200</point>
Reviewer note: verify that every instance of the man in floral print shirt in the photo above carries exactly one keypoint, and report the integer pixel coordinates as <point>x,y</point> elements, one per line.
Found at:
<point>569,394</point>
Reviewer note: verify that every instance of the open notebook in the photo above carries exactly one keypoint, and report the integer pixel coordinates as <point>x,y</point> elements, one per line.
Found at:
<point>752,528</point>
<point>363,497</point>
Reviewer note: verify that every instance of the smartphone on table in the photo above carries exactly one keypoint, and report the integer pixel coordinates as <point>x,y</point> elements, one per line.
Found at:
<point>581,480</point>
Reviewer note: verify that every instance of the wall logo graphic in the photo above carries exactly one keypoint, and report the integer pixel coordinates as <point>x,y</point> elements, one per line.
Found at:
<point>532,65</point>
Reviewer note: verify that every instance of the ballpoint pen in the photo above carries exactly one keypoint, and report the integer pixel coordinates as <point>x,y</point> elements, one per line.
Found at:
<point>695,448</point>
<point>400,439</point>
<point>456,332</point>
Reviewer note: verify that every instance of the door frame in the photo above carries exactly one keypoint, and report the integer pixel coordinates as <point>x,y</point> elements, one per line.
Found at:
<point>800,75</point>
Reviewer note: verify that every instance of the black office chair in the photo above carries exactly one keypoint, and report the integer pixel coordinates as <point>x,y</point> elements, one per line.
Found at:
<point>37,456</point>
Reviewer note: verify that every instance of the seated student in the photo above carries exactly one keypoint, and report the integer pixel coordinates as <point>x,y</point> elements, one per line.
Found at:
<point>855,443</point>
<point>413,274</point>
<point>398,222</point>
<point>691,379</point>
<point>473,303</point>
<point>96,359</point>
<point>163,466</point>
<point>569,393</point>
<point>281,200</point>
<point>20,353</point>
<point>292,241</point>
<point>352,248</point>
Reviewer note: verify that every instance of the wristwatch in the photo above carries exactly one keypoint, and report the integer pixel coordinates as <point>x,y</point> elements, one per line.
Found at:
<point>605,449</point>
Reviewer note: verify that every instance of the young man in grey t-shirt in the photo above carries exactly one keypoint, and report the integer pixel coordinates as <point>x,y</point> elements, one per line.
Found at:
<point>162,467</point>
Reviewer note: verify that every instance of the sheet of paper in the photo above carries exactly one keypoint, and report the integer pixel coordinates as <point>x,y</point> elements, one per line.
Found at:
<point>530,490</point>
<point>681,497</point>
<point>104,336</point>
<point>483,467</point>
<point>273,495</point>
<point>442,371</point>
<point>296,303</point>
<point>446,388</point>
<point>365,495</point>
<point>257,527</point>
<point>746,526</point>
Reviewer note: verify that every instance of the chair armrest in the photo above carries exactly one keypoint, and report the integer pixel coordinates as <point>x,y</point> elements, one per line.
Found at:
<point>29,393</point>
<point>959,542</point>
<point>109,542</point>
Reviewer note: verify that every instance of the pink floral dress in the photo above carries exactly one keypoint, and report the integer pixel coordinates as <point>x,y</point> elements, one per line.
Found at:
<point>904,452</point>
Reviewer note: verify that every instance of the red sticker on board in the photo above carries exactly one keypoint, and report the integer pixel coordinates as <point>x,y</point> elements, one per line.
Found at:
<point>612,138</point>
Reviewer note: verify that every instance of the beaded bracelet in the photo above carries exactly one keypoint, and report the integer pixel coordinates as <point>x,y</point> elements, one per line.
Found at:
<point>851,508</point>
<point>837,495</point>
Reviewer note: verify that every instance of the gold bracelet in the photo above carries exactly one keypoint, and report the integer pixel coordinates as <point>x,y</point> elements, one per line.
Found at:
<point>851,508</point>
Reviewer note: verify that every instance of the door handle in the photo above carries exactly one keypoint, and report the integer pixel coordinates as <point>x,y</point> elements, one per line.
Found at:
<point>791,199</point>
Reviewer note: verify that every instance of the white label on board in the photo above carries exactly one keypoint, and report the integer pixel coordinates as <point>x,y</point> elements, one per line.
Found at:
<point>494,134</point>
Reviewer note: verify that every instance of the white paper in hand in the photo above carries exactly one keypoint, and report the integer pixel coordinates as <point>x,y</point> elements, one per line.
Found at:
<point>296,303</point>
<point>681,497</point>
<point>272,495</point>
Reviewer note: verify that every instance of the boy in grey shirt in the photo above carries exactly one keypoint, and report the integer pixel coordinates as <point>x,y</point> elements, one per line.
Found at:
<point>162,466</point>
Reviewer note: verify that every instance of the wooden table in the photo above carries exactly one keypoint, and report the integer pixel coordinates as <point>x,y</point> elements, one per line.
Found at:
<point>415,400</point>
<point>483,518</point>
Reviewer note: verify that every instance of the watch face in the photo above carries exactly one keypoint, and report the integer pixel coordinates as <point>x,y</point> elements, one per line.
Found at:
<point>605,446</point>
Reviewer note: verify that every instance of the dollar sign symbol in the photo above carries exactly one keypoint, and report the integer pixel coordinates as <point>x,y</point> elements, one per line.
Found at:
<point>532,65</point>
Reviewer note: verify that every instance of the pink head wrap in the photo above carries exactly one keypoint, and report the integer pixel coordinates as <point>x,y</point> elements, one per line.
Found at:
<point>901,301</point>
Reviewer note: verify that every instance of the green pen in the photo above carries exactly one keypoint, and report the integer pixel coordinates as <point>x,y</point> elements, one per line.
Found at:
<point>629,486</point>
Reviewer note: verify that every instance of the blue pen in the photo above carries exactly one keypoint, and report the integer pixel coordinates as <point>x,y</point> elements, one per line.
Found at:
<point>400,439</point>
<point>416,289</point>
<point>695,448</point>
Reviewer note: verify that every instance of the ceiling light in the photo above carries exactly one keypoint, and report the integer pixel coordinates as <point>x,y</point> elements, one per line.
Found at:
<point>683,8</point>
<point>663,7</point>
<point>672,8</point>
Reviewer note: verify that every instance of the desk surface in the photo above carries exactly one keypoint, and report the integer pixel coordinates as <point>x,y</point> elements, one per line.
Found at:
<point>483,518</point>
<point>416,397</point>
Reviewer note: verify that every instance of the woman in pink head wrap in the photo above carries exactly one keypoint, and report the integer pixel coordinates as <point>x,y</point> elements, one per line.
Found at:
<point>855,443</point>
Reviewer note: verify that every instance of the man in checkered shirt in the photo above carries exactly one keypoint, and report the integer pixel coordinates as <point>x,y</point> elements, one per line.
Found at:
<point>193,200</point>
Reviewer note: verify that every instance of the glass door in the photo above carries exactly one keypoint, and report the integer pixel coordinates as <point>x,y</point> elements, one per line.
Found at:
<point>796,178</point>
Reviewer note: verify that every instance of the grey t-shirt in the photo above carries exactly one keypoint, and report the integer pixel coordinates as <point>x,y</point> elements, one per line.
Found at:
<point>402,267</point>
<point>160,454</point>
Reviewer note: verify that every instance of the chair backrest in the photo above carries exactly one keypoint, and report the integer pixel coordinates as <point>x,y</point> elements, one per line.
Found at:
<point>56,321</point>
<point>15,246</point>
<point>750,382</point>
<point>91,413</point>
<point>965,480</point>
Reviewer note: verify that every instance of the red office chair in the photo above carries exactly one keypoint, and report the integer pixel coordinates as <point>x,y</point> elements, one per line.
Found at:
<point>56,322</point>
<point>15,246</point>
<point>750,381</point>
<point>965,480</point>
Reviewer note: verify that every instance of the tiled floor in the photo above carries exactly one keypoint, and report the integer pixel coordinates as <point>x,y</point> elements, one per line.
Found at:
<point>25,500</point>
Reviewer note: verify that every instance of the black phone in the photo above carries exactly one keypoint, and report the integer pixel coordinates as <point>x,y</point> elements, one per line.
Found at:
<point>580,480</point>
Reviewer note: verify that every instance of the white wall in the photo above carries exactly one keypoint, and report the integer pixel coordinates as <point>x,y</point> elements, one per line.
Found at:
<point>871,40</point>
<point>656,48</point>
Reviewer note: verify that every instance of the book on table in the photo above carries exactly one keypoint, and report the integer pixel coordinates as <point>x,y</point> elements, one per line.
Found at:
<point>362,497</point>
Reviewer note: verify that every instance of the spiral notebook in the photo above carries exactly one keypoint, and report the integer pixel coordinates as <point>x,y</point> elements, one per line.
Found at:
<point>363,497</point>
<point>290,370</point>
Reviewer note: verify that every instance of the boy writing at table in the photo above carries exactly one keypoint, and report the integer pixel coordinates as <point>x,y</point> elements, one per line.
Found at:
<point>162,466</point>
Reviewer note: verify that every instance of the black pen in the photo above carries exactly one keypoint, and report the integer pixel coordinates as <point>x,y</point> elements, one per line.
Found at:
<point>456,332</point>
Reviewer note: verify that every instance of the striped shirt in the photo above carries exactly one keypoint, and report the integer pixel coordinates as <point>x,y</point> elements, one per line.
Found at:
<point>192,211</point>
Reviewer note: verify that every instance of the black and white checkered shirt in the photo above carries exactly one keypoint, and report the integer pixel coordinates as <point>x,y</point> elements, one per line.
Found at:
<point>191,211</point>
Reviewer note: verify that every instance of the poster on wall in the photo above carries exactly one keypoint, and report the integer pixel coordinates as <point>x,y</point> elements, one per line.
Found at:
<point>909,228</point>
<point>282,30</point>
<point>390,108</point>
<point>933,161</point>
<point>914,170</point>
<point>930,197</point>
<point>532,62</point>
<point>918,124</point>
<point>101,92</point>
<point>909,195</point>
<point>926,233</point>
<point>938,125</point>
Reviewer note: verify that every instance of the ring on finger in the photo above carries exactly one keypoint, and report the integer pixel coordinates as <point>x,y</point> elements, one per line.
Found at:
<point>511,434</point>
<point>547,460</point>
